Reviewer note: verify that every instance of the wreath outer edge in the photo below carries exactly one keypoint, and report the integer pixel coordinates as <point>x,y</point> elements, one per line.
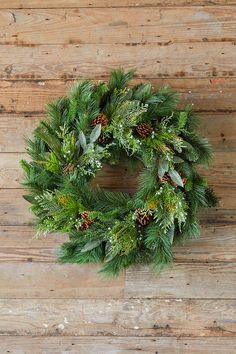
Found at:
<point>112,123</point>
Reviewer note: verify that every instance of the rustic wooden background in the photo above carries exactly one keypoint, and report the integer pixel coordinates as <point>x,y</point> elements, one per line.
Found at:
<point>48,308</point>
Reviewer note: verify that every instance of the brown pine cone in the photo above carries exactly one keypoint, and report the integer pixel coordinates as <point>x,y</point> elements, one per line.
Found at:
<point>101,119</point>
<point>143,217</point>
<point>69,168</point>
<point>85,215</point>
<point>144,129</point>
<point>87,221</point>
<point>85,225</point>
<point>165,179</point>
<point>104,139</point>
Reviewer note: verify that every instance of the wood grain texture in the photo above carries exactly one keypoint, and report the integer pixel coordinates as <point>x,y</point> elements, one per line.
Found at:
<point>30,97</point>
<point>107,25</point>
<point>200,60</point>
<point>218,216</point>
<point>183,280</point>
<point>19,244</point>
<point>14,210</point>
<point>219,128</point>
<point>118,345</point>
<point>42,280</point>
<point>6,4</point>
<point>216,244</point>
<point>146,317</point>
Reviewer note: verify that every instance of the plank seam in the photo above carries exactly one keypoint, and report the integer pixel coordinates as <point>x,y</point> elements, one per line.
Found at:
<point>30,114</point>
<point>141,298</point>
<point>209,5</point>
<point>107,76</point>
<point>102,335</point>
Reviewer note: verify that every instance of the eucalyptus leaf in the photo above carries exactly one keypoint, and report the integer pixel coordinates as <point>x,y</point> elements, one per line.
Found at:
<point>163,167</point>
<point>78,147</point>
<point>82,140</point>
<point>108,251</point>
<point>29,198</point>
<point>99,148</point>
<point>95,133</point>
<point>171,233</point>
<point>176,178</point>
<point>110,257</point>
<point>91,245</point>
<point>177,159</point>
<point>88,147</point>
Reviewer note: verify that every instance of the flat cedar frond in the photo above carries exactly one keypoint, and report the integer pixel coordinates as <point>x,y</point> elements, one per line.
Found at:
<point>110,123</point>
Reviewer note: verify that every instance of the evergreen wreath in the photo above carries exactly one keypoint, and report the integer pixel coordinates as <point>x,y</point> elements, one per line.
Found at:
<point>109,123</point>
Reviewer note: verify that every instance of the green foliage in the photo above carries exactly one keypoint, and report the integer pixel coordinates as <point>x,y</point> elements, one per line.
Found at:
<point>111,123</point>
<point>172,206</point>
<point>119,78</point>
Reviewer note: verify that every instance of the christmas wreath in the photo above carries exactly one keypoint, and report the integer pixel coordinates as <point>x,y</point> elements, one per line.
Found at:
<point>109,123</point>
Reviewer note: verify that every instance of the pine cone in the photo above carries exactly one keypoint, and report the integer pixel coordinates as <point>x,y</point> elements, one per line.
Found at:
<point>69,168</point>
<point>85,215</point>
<point>101,119</point>
<point>85,225</point>
<point>144,129</point>
<point>104,139</point>
<point>165,179</point>
<point>143,217</point>
<point>87,221</point>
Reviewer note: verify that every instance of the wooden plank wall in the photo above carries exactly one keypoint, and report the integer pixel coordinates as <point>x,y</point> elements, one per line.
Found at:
<point>49,308</point>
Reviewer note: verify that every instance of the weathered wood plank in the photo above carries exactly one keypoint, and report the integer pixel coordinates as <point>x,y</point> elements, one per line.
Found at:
<point>13,130</point>
<point>218,216</point>
<point>156,318</point>
<point>221,173</point>
<point>13,208</point>
<point>94,60</point>
<point>219,128</point>
<point>18,244</point>
<point>216,244</point>
<point>42,280</point>
<point>118,345</point>
<point>6,4</point>
<point>12,172</point>
<point>128,25</point>
<point>30,97</point>
<point>183,280</point>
